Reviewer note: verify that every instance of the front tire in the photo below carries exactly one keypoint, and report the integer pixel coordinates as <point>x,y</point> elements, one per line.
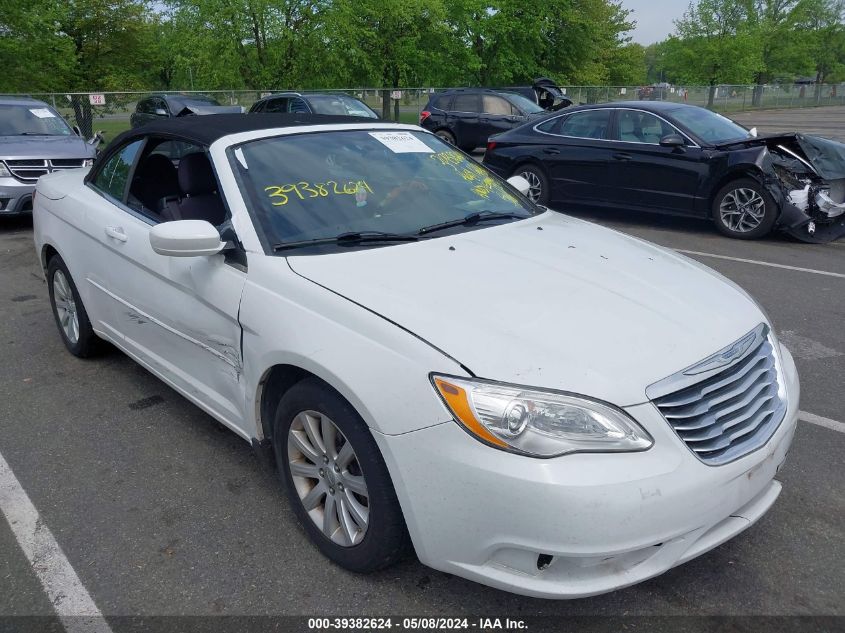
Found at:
<point>539,183</point>
<point>336,479</point>
<point>69,311</point>
<point>742,209</point>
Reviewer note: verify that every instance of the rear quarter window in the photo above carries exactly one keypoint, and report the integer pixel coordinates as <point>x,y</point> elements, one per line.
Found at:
<point>441,102</point>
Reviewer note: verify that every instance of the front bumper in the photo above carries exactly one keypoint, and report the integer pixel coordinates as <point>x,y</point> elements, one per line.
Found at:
<point>15,196</point>
<point>581,524</point>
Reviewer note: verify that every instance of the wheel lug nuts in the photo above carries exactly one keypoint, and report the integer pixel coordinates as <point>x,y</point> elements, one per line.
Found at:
<point>325,459</point>
<point>340,487</point>
<point>331,490</point>
<point>322,473</point>
<point>336,468</point>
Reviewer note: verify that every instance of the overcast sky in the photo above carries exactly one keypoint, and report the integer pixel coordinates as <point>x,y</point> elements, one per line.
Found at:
<point>654,18</point>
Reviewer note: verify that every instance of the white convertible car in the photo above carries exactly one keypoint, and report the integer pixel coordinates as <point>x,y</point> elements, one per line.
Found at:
<point>528,400</point>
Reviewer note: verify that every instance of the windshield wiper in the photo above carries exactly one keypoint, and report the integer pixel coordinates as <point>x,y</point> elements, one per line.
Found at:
<point>472,218</point>
<point>348,239</point>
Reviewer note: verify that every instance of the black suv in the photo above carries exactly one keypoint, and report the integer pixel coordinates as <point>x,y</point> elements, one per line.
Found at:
<point>467,117</point>
<point>340,104</point>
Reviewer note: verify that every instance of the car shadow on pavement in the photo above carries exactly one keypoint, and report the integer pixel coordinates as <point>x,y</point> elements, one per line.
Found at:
<point>623,220</point>
<point>12,223</point>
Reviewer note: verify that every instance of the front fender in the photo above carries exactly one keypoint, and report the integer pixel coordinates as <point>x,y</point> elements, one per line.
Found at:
<point>380,368</point>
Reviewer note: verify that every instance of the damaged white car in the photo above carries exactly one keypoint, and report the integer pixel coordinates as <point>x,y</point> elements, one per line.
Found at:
<point>435,363</point>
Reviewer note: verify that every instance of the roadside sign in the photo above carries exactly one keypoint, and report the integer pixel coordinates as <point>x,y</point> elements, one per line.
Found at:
<point>396,94</point>
<point>97,99</point>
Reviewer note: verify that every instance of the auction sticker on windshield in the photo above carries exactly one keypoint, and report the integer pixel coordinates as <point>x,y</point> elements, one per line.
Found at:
<point>402,142</point>
<point>42,113</point>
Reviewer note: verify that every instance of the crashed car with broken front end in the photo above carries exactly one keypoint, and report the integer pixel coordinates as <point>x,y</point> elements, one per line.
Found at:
<point>677,159</point>
<point>805,176</point>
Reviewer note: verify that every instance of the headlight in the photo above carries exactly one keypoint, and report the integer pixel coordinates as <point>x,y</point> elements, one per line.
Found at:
<point>538,423</point>
<point>4,172</point>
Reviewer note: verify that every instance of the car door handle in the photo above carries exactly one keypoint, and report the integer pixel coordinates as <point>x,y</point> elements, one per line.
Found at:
<point>622,156</point>
<point>551,150</point>
<point>116,232</point>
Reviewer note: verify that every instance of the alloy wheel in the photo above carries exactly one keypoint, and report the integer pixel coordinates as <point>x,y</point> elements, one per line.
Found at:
<point>65,307</point>
<point>742,210</point>
<point>535,190</point>
<point>328,478</point>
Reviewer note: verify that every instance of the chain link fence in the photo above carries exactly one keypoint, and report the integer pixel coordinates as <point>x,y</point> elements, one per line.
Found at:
<point>109,112</point>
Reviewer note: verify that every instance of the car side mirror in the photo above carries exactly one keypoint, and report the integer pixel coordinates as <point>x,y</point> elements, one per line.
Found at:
<point>520,184</point>
<point>76,130</point>
<point>673,140</point>
<point>160,112</point>
<point>185,238</point>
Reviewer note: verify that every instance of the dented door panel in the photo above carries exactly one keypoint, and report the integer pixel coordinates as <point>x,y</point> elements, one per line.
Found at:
<point>180,315</point>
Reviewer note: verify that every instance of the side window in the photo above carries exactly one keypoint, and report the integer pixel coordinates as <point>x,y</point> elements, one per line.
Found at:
<point>551,126</point>
<point>587,124</point>
<point>276,105</point>
<point>143,106</point>
<point>465,103</point>
<point>642,127</point>
<point>159,104</point>
<point>491,104</point>
<point>114,175</point>
<point>441,102</point>
<point>297,105</point>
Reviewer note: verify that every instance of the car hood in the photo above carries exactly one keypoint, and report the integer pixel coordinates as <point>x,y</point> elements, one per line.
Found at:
<point>210,109</point>
<point>13,147</point>
<point>549,302</point>
<point>825,155</point>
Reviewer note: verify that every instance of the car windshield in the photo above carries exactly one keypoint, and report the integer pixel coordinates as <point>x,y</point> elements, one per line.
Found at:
<point>708,126</point>
<point>322,185</point>
<point>32,120</point>
<point>524,104</point>
<point>341,104</point>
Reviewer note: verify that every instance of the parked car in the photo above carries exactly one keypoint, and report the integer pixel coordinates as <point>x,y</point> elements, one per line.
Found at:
<point>34,140</point>
<point>467,117</point>
<point>330,288</point>
<point>165,106</point>
<point>682,160</point>
<point>332,104</point>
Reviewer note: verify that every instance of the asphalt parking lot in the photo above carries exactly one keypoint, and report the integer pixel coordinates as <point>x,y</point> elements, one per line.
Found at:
<point>161,511</point>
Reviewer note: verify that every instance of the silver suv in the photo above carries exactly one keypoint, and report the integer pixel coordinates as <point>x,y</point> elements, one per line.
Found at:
<point>34,140</point>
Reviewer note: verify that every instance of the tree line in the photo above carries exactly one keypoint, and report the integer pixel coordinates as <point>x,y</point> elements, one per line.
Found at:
<point>753,42</point>
<point>122,45</point>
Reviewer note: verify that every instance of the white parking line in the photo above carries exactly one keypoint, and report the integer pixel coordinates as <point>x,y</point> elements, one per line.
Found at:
<point>759,263</point>
<point>818,420</point>
<point>73,605</point>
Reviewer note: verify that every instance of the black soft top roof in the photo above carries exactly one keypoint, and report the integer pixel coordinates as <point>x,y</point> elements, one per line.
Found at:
<point>204,130</point>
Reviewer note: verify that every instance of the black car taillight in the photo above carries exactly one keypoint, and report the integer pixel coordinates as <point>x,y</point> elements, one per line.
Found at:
<point>424,115</point>
<point>491,145</point>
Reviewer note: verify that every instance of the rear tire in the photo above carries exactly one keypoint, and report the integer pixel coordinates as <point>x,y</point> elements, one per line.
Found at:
<point>445,135</point>
<point>336,479</point>
<point>539,192</point>
<point>743,209</point>
<point>69,311</point>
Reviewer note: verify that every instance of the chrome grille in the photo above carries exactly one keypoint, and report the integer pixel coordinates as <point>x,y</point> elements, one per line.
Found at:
<point>729,404</point>
<point>31,169</point>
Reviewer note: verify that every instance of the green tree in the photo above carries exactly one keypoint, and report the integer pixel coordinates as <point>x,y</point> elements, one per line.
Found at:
<point>820,23</point>
<point>715,43</point>
<point>383,42</point>
<point>34,54</point>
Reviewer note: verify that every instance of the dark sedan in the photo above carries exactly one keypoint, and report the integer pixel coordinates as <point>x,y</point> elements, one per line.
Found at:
<point>681,160</point>
<point>162,106</point>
